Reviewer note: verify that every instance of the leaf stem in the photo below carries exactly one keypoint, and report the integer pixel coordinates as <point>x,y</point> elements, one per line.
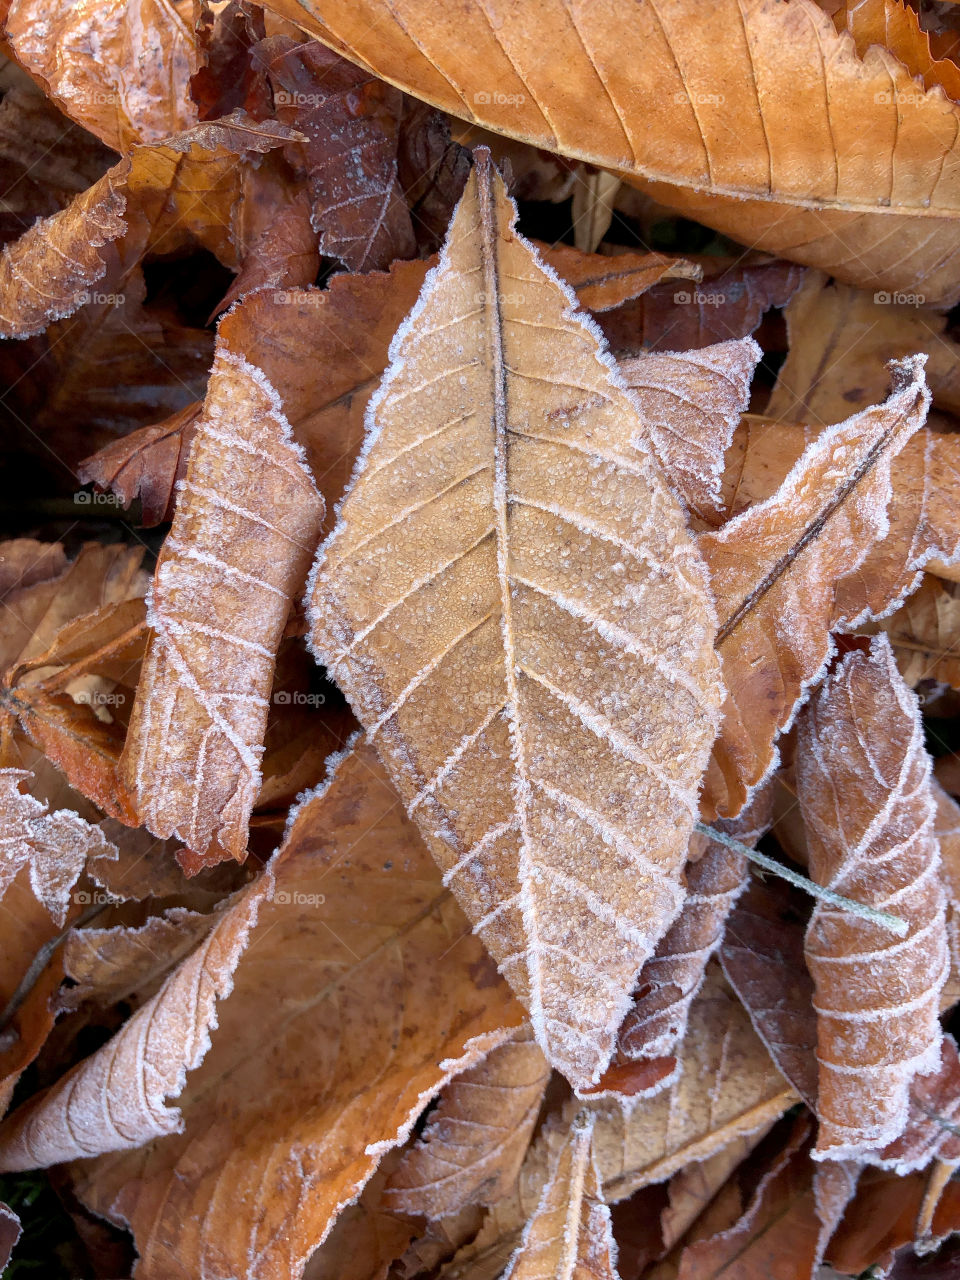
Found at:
<point>886,921</point>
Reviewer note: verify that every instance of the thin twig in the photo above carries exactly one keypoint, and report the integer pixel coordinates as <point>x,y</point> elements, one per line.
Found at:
<point>886,921</point>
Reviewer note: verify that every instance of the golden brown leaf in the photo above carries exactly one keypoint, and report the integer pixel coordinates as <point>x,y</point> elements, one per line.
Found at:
<point>358,994</point>
<point>774,571</point>
<point>519,617</point>
<point>474,1141</point>
<point>863,781</point>
<point>758,119</point>
<point>147,464</point>
<point>159,197</point>
<point>841,341</point>
<point>777,1238</point>
<point>121,68</point>
<point>925,633</point>
<point>238,550</point>
<point>569,1236</point>
<point>897,27</point>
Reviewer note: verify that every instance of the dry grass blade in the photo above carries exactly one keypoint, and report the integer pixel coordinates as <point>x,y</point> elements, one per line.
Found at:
<point>519,616</point>
<point>238,550</point>
<point>863,781</point>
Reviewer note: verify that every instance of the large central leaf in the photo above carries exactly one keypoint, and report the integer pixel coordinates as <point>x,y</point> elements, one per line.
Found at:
<point>513,604</point>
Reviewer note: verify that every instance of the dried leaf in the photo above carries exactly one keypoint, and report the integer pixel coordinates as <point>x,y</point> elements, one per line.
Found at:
<point>238,550</point>
<point>358,996</point>
<point>925,633</point>
<point>472,1146</point>
<point>55,846</point>
<point>670,980</point>
<point>569,1237</point>
<point>692,402</point>
<point>759,120</point>
<point>728,304</point>
<point>774,570</point>
<point>121,68</point>
<point>10,1233</point>
<point>883,1218</point>
<point>863,781</point>
<point>777,1238</point>
<point>593,196</point>
<point>350,159</point>
<point>146,464</point>
<point>45,159</point>
<point>592,689</point>
<point>897,27</point>
<point>109,964</point>
<point>841,341</point>
<point>603,284</point>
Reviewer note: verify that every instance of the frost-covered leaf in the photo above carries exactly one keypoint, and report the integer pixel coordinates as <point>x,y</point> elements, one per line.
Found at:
<point>603,284</point>
<point>670,980</point>
<point>55,846</point>
<point>519,617</point>
<point>863,781</point>
<point>241,541</point>
<point>358,994</point>
<point>569,1236</point>
<point>472,1146</point>
<point>9,1233</point>
<point>774,571</point>
<point>758,119</point>
<point>159,197</point>
<point>692,402</point>
<point>121,68</point>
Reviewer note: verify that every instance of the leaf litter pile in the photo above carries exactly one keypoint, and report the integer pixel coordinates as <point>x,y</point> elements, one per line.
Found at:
<point>480,646</point>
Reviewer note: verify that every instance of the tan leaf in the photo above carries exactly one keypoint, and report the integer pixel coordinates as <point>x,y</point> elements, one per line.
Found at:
<point>238,550</point>
<point>863,781</point>
<point>841,341</point>
<point>670,980</point>
<point>537,566</point>
<point>924,530</point>
<point>925,633</point>
<point>593,196</point>
<point>692,402</point>
<point>727,1088</point>
<point>897,27</point>
<point>121,68</point>
<point>774,570</point>
<point>474,1141</point>
<point>109,964</point>
<point>359,994</point>
<point>569,1237</point>
<point>758,119</point>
